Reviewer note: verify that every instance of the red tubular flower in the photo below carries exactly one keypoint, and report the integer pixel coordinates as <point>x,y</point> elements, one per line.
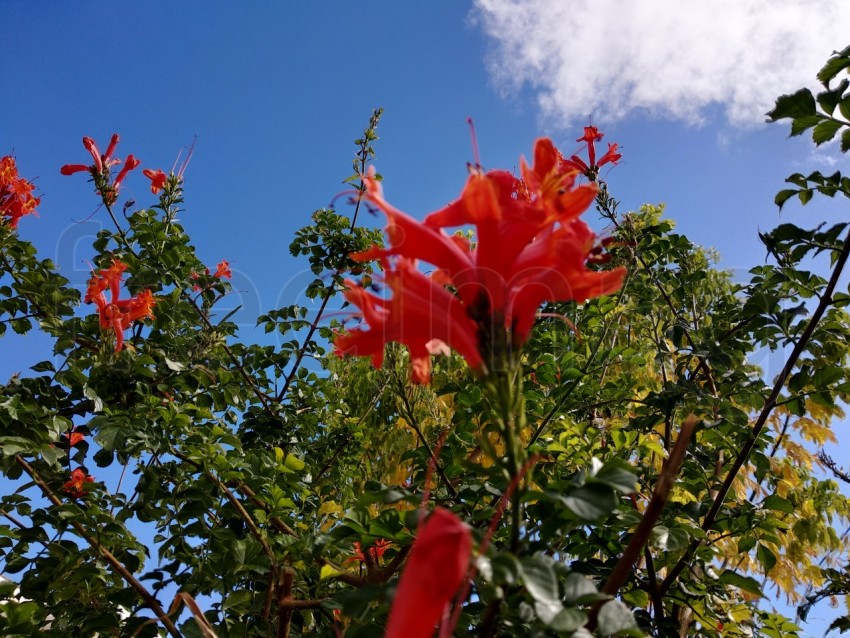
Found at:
<point>100,169</point>
<point>531,248</point>
<point>611,155</point>
<point>223,270</point>
<point>117,314</point>
<point>380,547</point>
<point>590,137</point>
<point>157,178</point>
<point>376,551</point>
<point>74,487</point>
<point>129,165</point>
<point>434,571</point>
<point>16,198</point>
<point>73,437</point>
<point>421,314</point>
<point>91,147</point>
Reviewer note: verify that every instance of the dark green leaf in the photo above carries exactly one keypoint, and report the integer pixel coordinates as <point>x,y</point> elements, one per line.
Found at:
<point>615,617</point>
<point>825,131</point>
<point>744,583</point>
<point>591,502</point>
<point>799,104</point>
<point>832,68</point>
<point>538,576</point>
<point>766,557</point>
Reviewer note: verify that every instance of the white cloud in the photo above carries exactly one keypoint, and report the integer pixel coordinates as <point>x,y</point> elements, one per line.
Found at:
<point>672,58</point>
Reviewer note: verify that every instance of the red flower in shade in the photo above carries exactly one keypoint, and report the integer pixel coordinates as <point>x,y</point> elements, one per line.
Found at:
<point>73,437</point>
<point>16,198</point>
<point>117,314</point>
<point>102,168</point>
<point>376,551</point>
<point>434,571</point>
<point>74,487</point>
<point>157,178</point>
<point>531,248</point>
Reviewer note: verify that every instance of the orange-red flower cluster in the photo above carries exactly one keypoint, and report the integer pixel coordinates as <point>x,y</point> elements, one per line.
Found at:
<point>591,167</point>
<point>73,437</point>
<point>531,248</point>
<point>222,270</point>
<point>432,576</point>
<point>101,169</point>
<point>74,487</point>
<point>376,551</point>
<point>16,198</point>
<point>117,314</point>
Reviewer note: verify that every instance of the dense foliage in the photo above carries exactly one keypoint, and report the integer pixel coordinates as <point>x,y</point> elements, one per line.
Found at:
<point>621,468</point>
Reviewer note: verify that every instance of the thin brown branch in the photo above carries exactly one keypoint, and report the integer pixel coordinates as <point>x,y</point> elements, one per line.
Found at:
<point>150,601</point>
<point>769,404</point>
<point>665,482</point>
<point>278,524</point>
<point>413,422</point>
<point>284,611</point>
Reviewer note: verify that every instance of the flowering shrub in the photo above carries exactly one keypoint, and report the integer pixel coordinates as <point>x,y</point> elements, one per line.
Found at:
<point>16,199</point>
<point>593,453</point>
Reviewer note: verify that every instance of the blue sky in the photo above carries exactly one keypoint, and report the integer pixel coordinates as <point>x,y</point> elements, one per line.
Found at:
<point>276,92</point>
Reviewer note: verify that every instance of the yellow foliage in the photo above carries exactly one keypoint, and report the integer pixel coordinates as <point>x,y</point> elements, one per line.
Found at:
<point>329,507</point>
<point>815,432</point>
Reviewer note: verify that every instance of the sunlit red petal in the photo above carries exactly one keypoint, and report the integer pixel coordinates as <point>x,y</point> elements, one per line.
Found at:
<point>91,147</point>
<point>70,169</point>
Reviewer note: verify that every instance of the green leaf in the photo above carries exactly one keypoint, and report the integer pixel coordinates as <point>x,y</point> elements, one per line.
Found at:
<point>577,586</point>
<point>559,619</point>
<point>766,557</point>
<point>799,104</point>
<point>91,394</point>
<point>538,576</point>
<point>746,543</point>
<point>844,107</point>
<point>11,445</point>
<point>238,602</point>
<point>615,617</point>
<point>802,124</point>
<point>591,502</point>
<point>292,462</point>
<point>777,503</point>
<point>783,196</point>
<point>825,131</point>
<point>43,366</point>
<point>615,475</point>
<point>669,539</point>
<point>744,583</point>
<point>174,366</point>
<point>832,68</point>
<point>845,141</point>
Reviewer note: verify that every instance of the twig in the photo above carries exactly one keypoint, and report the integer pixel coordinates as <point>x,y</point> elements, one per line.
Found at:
<point>113,562</point>
<point>621,570</point>
<point>766,410</point>
<point>329,292</point>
